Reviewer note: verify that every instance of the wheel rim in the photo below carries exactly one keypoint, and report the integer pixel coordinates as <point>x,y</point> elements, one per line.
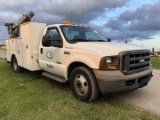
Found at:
<point>15,64</point>
<point>81,85</point>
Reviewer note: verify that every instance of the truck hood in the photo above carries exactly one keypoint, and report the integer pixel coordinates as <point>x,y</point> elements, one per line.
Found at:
<point>106,48</point>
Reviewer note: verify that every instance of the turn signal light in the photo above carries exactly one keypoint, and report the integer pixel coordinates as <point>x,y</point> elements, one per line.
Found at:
<point>112,67</point>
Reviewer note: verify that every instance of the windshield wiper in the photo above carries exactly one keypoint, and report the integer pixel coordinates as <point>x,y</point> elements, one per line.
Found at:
<point>85,40</point>
<point>79,40</point>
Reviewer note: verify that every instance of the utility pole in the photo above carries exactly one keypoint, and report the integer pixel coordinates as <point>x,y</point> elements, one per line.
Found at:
<point>126,39</point>
<point>153,50</point>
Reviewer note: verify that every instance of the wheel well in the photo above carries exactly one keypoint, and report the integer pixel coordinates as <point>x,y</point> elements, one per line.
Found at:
<point>12,58</point>
<point>74,65</point>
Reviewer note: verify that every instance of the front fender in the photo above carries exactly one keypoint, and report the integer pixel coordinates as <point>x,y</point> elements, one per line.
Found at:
<point>91,62</point>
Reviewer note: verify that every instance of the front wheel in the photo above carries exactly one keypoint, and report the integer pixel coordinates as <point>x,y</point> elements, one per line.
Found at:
<point>15,66</point>
<point>83,84</point>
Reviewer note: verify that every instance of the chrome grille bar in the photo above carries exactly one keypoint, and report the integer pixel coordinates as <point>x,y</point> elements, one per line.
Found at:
<point>134,61</point>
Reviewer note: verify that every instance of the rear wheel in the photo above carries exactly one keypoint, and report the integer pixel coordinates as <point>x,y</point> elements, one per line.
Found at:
<point>15,66</point>
<point>83,84</point>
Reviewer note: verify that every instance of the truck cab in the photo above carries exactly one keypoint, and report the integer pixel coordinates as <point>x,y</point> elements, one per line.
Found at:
<point>82,56</point>
<point>114,67</point>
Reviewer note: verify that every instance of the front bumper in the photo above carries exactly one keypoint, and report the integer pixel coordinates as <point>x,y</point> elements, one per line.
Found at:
<point>116,81</point>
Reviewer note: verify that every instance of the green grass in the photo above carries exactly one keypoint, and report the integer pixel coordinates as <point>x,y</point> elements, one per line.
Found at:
<point>2,48</point>
<point>29,96</point>
<point>155,63</point>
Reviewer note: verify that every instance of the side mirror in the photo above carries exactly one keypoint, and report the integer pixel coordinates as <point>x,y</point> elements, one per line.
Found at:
<point>46,40</point>
<point>56,41</point>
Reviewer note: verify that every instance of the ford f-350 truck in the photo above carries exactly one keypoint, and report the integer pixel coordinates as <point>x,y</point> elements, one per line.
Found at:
<point>80,55</point>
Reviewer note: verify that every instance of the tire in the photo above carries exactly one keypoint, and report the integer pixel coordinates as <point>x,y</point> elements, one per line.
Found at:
<point>15,66</point>
<point>83,84</point>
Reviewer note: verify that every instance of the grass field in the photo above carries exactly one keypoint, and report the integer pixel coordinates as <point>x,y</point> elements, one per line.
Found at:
<point>29,96</point>
<point>2,48</point>
<point>155,63</point>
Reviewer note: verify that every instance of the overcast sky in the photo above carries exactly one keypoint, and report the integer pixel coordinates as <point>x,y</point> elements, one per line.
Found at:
<point>140,19</point>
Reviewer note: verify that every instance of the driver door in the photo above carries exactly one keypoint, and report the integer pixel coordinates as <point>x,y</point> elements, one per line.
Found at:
<point>51,56</point>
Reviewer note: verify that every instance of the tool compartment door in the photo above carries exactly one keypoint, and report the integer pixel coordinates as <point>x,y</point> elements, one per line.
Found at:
<point>26,56</point>
<point>31,33</point>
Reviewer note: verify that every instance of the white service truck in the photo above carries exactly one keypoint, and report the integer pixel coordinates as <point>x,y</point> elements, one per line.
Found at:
<point>80,55</point>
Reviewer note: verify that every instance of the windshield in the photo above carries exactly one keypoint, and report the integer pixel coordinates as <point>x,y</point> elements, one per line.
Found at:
<point>81,34</point>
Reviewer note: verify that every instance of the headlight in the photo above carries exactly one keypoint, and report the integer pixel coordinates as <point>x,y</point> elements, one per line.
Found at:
<point>108,60</point>
<point>109,63</point>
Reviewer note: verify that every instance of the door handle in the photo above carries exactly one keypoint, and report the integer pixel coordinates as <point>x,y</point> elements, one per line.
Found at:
<point>41,50</point>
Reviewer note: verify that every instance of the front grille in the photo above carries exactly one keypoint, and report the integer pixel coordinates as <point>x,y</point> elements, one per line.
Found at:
<point>134,61</point>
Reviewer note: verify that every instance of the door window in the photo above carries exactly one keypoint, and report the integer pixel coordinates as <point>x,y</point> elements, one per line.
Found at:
<point>55,38</point>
